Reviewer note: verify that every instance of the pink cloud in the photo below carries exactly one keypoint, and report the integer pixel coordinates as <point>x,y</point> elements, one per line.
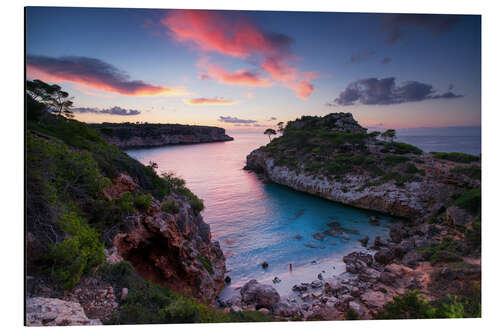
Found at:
<point>209,101</point>
<point>95,74</point>
<point>236,36</point>
<point>242,77</point>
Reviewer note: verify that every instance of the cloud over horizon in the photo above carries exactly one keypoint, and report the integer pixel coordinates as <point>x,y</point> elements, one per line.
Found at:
<point>93,73</point>
<point>116,110</point>
<point>235,120</point>
<point>209,101</point>
<point>236,36</point>
<point>373,91</point>
<point>396,24</point>
<point>244,77</point>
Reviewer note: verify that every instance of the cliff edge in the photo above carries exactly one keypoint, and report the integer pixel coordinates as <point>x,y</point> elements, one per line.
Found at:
<point>130,135</point>
<point>335,158</point>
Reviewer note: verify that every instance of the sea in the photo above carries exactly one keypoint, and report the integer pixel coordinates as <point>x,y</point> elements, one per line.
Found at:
<point>257,222</point>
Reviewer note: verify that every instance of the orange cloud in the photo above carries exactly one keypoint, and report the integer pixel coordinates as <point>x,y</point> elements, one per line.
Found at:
<point>234,35</point>
<point>242,77</point>
<point>93,73</point>
<point>209,101</point>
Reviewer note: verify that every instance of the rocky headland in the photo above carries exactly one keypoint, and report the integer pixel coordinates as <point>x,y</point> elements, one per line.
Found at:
<point>130,135</point>
<point>333,157</point>
<point>429,266</point>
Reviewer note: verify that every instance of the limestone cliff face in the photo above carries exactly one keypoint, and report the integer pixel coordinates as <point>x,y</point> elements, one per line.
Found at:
<point>173,249</point>
<point>415,199</point>
<point>129,135</point>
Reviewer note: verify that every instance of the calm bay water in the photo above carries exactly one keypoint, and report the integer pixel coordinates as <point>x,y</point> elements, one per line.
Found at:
<point>257,222</point>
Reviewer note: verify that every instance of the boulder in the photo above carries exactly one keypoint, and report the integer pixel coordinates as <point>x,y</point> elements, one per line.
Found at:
<point>316,284</point>
<point>262,295</point>
<point>374,299</point>
<point>42,311</point>
<point>397,233</point>
<point>357,261</point>
<point>412,258</point>
<point>387,278</point>
<point>300,287</point>
<point>324,312</point>
<point>334,287</point>
<point>384,255</point>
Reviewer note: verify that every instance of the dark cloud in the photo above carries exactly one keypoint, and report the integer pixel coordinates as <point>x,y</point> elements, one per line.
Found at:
<point>272,118</point>
<point>235,120</point>
<point>116,110</point>
<point>259,125</point>
<point>94,73</point>
<point>396,24</point>
<point>373,91</point>
<point>361,55</point>
<point>386,60</point>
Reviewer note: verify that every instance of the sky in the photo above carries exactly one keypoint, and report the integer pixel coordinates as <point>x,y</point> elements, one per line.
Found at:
<point>248,70</point>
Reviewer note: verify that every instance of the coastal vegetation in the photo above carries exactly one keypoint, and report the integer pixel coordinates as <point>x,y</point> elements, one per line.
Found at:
<point>75,210</point>
<point>456,157</point>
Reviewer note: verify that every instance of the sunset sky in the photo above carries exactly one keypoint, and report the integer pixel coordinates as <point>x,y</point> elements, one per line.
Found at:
<point>246,69</point>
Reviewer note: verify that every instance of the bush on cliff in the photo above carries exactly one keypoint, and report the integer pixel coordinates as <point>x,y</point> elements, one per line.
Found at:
<point>170,207</point>
<point>401,148</point>
<point>412,305</point>
<point>147,303</point>
<point>473,171</point>
<point>77,254</point>
<point>470,200</point>
<point>456,157</point>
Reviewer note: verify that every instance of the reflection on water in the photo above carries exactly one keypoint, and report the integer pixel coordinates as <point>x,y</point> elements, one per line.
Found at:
<point>257,222</point>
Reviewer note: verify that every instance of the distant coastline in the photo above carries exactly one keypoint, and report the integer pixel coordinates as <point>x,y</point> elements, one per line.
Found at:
<point>134,136</point>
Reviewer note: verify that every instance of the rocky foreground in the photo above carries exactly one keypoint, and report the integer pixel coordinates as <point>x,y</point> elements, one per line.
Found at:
<point>130,135</point>
<point>388,268</point>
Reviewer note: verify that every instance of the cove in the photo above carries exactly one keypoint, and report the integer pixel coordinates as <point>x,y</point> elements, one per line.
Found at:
<point>256,222</point>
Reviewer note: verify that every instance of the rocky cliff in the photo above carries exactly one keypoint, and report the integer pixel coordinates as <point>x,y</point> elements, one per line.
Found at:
<point>100,225</point>
<point>333,157</point>
<point>172,248</point>
<point>130,135</point>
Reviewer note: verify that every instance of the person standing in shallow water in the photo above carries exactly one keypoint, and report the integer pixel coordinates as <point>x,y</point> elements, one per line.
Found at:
<point>290,267</point>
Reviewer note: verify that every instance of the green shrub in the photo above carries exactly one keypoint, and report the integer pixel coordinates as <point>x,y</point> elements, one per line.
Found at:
<point>448,250</point>
<point>401,148</point>
<point>395,159</point>
<point>456,157</point>
<point>170,206</point>
<point>411,168</point>
<point>148,303</point>
<point>473,171</point>
<point>411,305</point>
<point>126,203</point>
<point>195,202</point>
<point>470,200</point>
<point>142,201</point>
<point>351,315</point>
<point>78,253</point>
<point>206,263</point>
<point>473,235</point>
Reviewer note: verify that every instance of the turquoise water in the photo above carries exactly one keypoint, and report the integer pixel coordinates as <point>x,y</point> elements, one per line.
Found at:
<point>257,222</point>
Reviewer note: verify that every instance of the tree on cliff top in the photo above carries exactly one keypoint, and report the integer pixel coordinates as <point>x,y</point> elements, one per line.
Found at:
<point>52,96</point>
<point>281,126</point>
<point>269,132</point>
<point>389,134</point>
